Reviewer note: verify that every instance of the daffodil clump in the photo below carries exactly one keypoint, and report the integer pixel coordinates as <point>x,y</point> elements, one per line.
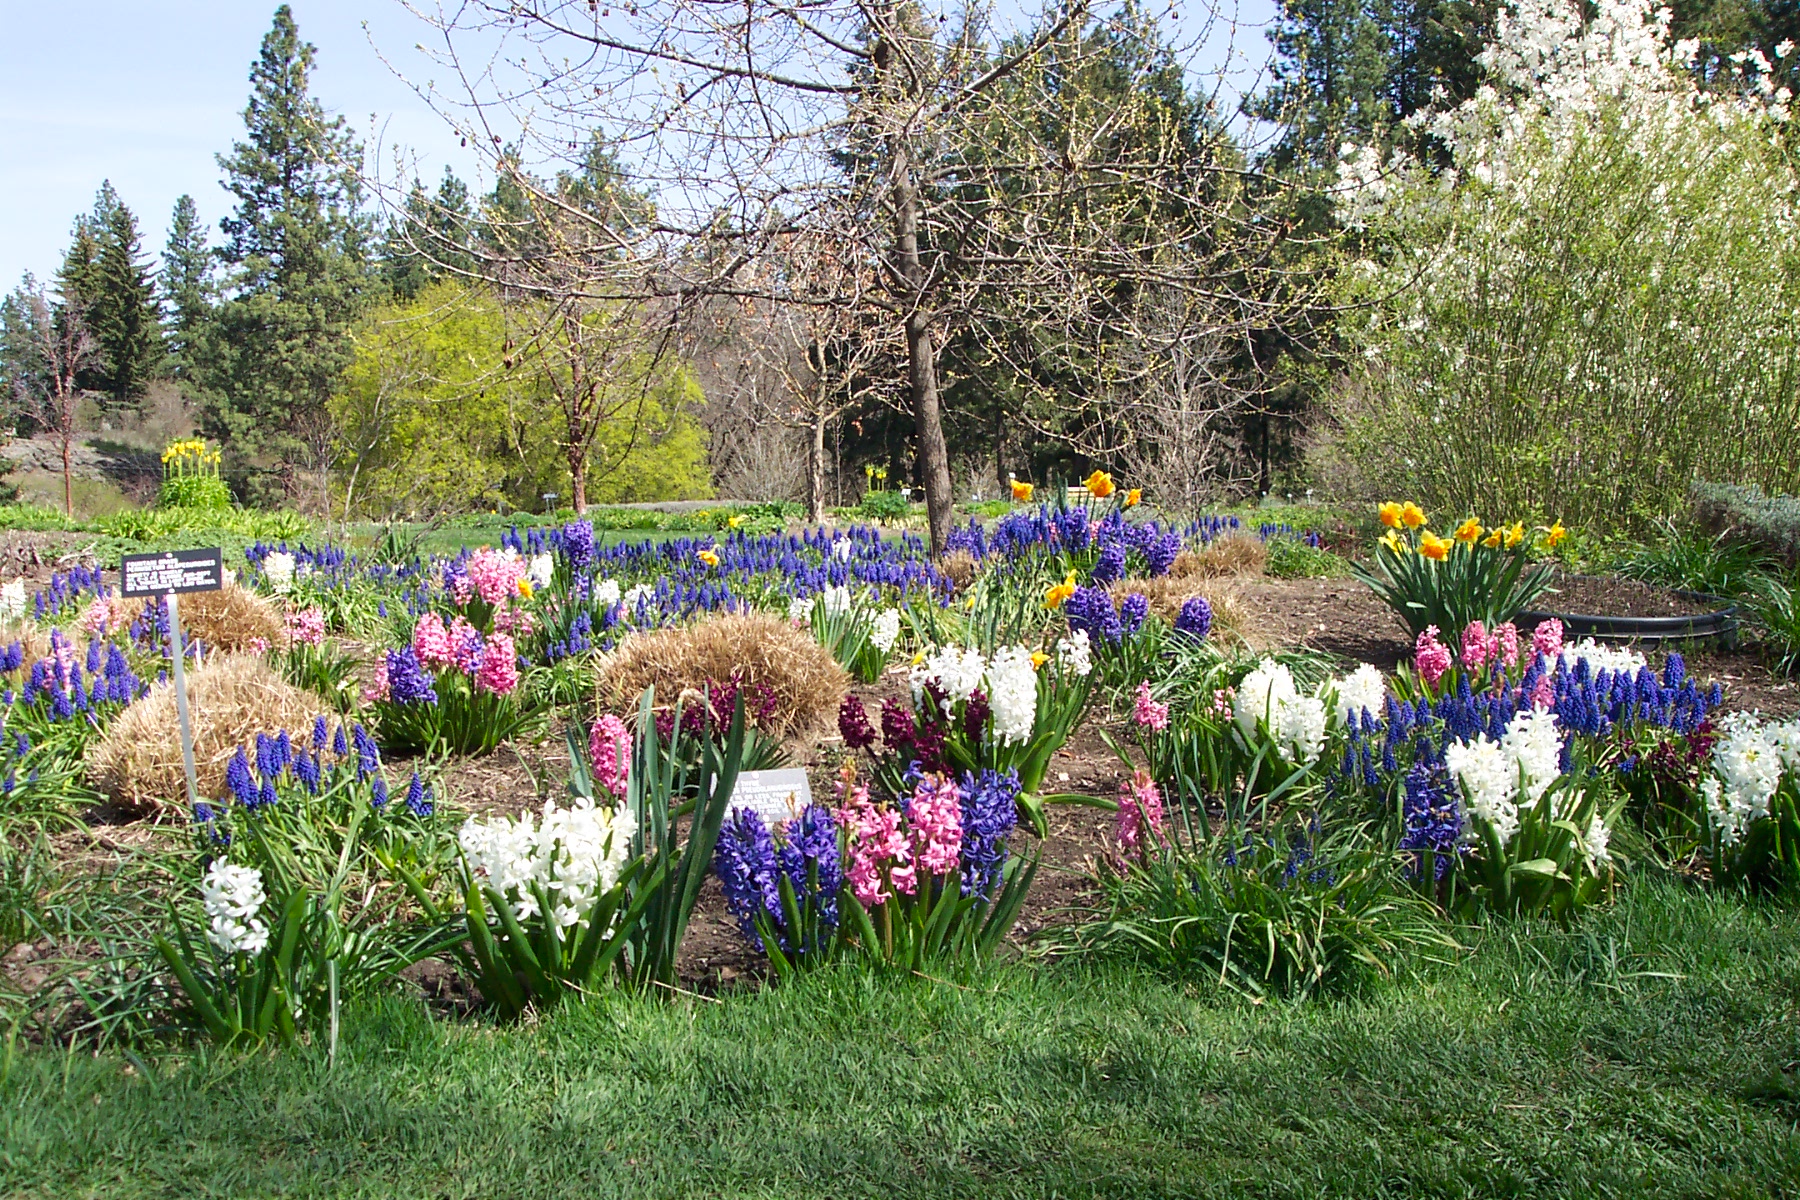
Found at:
<point>191,477</point>
<point>1479,573</point>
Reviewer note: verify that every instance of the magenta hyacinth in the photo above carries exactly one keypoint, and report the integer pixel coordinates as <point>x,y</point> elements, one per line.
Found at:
<point>609,750</point>
<point>499,669</point>
<point>1431,658</point>
<point>936,820</point>
<point>1140,808</point>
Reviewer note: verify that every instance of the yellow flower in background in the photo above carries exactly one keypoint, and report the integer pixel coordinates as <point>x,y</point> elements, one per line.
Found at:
<point>1062,591</point>
<point>1434,547</point>
<point>1021,492</point>
<point>1411,515</point>
<point>1493,539</point>
<point>1134,497</point>
<point>1390,514</point>
<point>1100,485</point>
<point>1554,536</point>
<point>733,521</point>
<point>525,587</point>
<point>1038,659</point>
<point>708,557</point>
<point>1394,543</point>
<point>1515,534</point>
<point>1469,531</point>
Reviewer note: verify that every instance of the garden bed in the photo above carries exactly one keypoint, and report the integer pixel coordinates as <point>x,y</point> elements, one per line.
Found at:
<point>1613,608</point>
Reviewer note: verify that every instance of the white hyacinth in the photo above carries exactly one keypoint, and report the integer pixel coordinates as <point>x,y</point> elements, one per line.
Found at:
<point>842,549</point>
<point>1363,690</point>
<point>12,600</point>
<point>1534,746</point>
<point>540,570</point>
<point>606,592</point>
<point>279,567</point>
<point>1012,694</point>
<point>1489,781</point>
<point>1748,761</point>
<point>1615,659</point>
<point>800,609</point>
<point>576,854</point>
<point>956,671</point>
<point>885,630</point>
<point>1295,722</point>
<point>232,896</point>
<point>837,600</point>
<point>1076,653</point>
<point>633,595</point>
<point>1595,840</point>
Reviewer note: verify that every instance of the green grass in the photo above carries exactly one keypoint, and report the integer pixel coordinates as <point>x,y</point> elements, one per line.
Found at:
<point>1641,1053</point>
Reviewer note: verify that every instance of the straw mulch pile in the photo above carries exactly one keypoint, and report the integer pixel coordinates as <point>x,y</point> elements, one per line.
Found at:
<point>763,649</point>
<point>231,619</point>
<point>231,698</point>
<point>1232,618</point>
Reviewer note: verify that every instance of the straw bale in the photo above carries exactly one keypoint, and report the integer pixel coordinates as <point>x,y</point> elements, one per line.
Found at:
<point>764,649</point>
<point>231,619</point>
<point>231,698</point>
<point>1233,619</point>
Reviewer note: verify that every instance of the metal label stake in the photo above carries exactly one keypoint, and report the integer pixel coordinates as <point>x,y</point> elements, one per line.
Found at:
<point>179,648</point>
<point>168,575</point>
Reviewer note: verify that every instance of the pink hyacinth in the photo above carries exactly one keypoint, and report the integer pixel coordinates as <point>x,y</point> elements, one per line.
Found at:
<point>431,642</point>
<point>1477,647</point>
<point>936,820</point>
<point>378,690</point>
<point>1543,695</point>
<point>1223,701</point>
<point>517,621</point>
<point>875,842</point>
<point>306,627</point>
<point>499,669</point>
<point>1147,711</point>
<point>1506,636</point>
<point>496,575</point>
<point>257,645</point>
<point>1140,807</point>
<point>1547,638</point>
<point>100,616</point>
<point>609,750</point>
<point>1431,658</point>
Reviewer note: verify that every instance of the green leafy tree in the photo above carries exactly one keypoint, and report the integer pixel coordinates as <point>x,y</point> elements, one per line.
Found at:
<point>186,286</point>
<point>296,275</point>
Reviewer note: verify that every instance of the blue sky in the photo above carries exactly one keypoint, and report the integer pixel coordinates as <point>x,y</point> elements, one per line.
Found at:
<point>146,93</point>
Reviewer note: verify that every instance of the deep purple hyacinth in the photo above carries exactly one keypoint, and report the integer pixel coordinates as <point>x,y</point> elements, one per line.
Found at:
<point>1433,814</point>
<point>578,544</point>
<point>1091,609</point>
<point>1110,567</point>
<point>1196,618</point>
<point>853,724</point>
<point>751,861</point>
<point>990,810</point>
<point>1134,610</point>
<point>408,681</point>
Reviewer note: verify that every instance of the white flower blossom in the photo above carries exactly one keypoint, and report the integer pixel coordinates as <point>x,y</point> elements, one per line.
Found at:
<point>1012,694</point>
<point>1489,782</point>
<point>606,592</point>
<point>1595,840</point>
<point>232,896</point>
<point>885,630</point>
<point>1363,690</point>
<point>1747,763</point>
<point>837,600</point>
<point>842,549</point>
<point>956,671</point>
<point>634,595</point>
<point>278,566</point>
<point>12,600</point>
<point>800,609</point>
<point>1615,659</point>
<point>1076,653</point>
<point>1267,695</point>
<point>1533,744</point>
<point>574,854</point>
<point>540,570</point>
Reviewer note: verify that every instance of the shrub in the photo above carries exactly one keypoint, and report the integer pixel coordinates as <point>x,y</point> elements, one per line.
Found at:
<point>231,698</point>
<point>1771,523</point>
<point>884,507</point>
<point>1596,306</point>
<point>1294,558</point>
<point>761,650</point>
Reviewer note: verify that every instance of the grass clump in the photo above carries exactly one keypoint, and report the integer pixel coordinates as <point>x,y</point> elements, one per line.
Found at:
<point>758,649</point>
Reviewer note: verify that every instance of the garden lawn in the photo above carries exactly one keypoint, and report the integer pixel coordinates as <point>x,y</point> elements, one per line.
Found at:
<point>1641,1052</point>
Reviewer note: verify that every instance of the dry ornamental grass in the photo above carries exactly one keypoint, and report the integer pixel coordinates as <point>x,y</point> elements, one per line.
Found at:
<point>761,648</point>
<point>231,698</point>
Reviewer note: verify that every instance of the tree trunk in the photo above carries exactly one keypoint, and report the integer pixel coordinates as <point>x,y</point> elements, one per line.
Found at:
<point>68,489</point>
<point>578,479</point>
<point>815,478</point>
<point>921,360</point>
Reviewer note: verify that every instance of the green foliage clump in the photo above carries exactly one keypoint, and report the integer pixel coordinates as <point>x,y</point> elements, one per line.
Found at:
<point>1293,558</point>
<point>884,506</point>
<point>1770,523</point>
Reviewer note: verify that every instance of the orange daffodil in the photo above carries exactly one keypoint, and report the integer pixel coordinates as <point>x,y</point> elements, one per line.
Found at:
<point>1434,547</point>
<point>708,557</point>
<point>1390,514</point>
<point>1134,497</point>
<point>1100,485</point>
<point>1554,535</point>
<point>1055,596</point>
<point>1411,515</point>
<point>1469,531</point>
<point>1021,492</point>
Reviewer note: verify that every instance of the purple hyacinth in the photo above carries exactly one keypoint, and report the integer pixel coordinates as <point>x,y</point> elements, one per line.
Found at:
<point>1091,609</point>
<point>1196,618</point>
<point>418,796</point>
<point>990,809</point>
<point>1433,815</point>
<point>1134,610</point>
<point>1110,568</point>
<point>578,544</point>
<point>408,681</point>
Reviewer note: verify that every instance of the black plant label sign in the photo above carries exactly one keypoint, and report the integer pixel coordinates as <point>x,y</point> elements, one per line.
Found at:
<point>172,572</point>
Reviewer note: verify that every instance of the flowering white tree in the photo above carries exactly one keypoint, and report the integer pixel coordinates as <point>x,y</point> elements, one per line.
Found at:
<point>1593,296</point>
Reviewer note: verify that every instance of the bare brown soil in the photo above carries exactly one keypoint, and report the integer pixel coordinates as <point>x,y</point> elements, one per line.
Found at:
<point>1610,596</point>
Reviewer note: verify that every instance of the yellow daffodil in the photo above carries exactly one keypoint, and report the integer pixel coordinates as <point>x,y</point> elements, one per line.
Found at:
<point>1493,539</point>
<point>1395,543</point>
<point>1021,492</point>
<point>1469,531</point>
<point>525,588</point>
<point>1554,536</point>
<point>1100,485</point>
<point>1038,659</point>
<point>733,521</point>
<point>1434,547</point>
<point>708,557</point>
<point>1134,497</point>
<point>1062,591</point>
<point>1411,515</point>
<point>1515,534</point>
<point>1390,514</point>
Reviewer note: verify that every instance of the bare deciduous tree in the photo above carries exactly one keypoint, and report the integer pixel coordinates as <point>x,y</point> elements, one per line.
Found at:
<point>64,348</point>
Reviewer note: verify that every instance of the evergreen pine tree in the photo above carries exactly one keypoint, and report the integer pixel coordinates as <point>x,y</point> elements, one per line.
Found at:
<point>78,287</point>
<point>186,285</point>
<point>124,317</point>
<point>429,239</point>
<point>296,272</point>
